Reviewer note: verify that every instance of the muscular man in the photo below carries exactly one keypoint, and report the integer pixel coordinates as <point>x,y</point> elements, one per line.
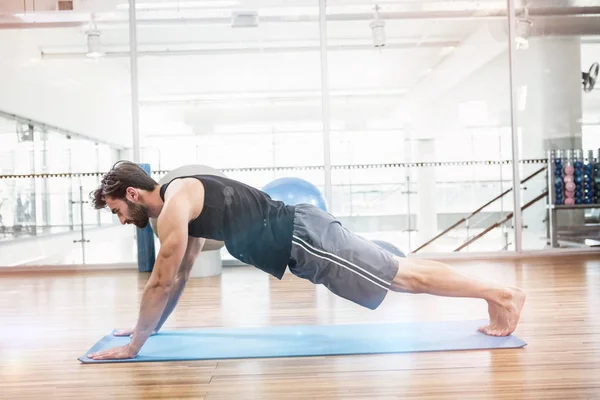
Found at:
<point>273,237</point>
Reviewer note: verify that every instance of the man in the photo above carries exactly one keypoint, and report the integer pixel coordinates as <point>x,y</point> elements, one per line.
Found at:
<point>271,236</point>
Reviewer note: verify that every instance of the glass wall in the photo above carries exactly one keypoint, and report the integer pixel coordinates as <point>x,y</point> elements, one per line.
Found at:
<point>45,176</point>
<point>401,114</point>
<point>245,93</point>
<point>65,111</point>
<point>422,110</point>
<point>557,117</point>
<point>242,96</point>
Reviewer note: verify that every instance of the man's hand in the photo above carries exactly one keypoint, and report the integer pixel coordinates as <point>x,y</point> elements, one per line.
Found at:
<point>116,353</point>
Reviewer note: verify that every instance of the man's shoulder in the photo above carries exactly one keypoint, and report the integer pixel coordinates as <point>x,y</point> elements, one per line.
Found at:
<point>184,186</point>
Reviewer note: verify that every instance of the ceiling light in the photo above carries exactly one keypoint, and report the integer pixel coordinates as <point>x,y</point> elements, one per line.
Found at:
<point>378,29</point>
<point>170,5</point>
<point>93,41</point>
<point>244,19</point>
<point>523,30</point>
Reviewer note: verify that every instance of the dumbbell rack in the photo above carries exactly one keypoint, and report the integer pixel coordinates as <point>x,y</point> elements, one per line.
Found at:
<point>553,207</point>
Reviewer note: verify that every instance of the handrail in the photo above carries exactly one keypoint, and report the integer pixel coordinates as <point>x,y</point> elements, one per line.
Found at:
<point>497,224</point>
<point>464,219</point>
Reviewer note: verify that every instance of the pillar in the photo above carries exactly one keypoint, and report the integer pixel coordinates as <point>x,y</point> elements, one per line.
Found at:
<point>146,252</point>
<point>420,147</point>
<point>426,188</point>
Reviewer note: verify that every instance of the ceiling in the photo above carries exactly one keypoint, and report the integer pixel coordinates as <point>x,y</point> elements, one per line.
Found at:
<point>199,75</point>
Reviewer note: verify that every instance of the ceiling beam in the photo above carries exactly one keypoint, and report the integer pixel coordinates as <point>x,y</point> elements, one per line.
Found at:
<point>74,19</point>
<point>247,50</point>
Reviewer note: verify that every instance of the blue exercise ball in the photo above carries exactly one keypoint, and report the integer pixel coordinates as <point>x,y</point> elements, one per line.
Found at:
<point>389,247</point>
<point>294,191</point>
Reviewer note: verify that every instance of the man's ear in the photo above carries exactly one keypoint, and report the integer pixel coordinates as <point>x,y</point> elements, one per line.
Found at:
<point>131,194</point>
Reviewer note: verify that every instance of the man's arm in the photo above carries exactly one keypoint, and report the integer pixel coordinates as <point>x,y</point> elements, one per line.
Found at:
<point>173,233</point>
<point>194,247</point>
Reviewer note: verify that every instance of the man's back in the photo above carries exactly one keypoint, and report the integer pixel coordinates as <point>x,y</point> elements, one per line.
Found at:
<point>255,229</point>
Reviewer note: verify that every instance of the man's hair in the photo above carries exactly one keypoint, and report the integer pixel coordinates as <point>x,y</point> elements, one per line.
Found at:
<point>115,182</point>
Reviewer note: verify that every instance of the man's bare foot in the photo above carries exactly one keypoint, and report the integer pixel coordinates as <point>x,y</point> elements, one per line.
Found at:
<point>493,312</point>
<point>505,313</point>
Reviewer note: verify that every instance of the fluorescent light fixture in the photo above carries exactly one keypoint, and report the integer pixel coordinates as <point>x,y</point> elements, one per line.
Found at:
<point>170,5</point>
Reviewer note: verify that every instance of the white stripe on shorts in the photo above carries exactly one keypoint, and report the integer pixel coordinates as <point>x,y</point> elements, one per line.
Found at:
<point>350,266</point>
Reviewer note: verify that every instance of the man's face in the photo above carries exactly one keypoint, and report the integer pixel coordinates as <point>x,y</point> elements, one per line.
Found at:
<point>129,212</point>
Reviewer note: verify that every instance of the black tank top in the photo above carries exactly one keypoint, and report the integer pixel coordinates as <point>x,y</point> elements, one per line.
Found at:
<point>256,229</point>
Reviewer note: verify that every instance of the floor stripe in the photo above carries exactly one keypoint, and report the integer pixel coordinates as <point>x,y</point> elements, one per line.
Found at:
<point>340,259</point>
<point>341,265</point>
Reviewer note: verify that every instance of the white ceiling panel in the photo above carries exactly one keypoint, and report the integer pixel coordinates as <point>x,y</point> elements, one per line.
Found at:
<point>190,68</point>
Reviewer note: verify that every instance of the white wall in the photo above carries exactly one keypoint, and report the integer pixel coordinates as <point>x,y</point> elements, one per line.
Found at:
<point>87,97</point>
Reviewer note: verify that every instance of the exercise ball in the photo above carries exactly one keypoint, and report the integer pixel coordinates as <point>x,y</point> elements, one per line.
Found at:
<point>389,247</point>
<point>292,191</point>
<point>187,170</point>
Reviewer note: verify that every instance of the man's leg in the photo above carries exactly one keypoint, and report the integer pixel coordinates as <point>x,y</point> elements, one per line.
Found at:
<point>356,269</point>
<point>431,277</point>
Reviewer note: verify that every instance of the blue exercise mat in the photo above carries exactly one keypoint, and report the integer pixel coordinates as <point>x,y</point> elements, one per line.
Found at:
<point>314,340</point>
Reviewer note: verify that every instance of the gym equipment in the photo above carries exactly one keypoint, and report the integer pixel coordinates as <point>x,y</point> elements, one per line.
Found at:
<point>588,79</point>
<point>578,175</point>
<point>573,183</point>
<point>294,191</point>
<point>313,340</point>
<point>595,178</point>
<point>588,179</point>
<point>209,261</point>
<point>389,247</point>
<point>575,179</point>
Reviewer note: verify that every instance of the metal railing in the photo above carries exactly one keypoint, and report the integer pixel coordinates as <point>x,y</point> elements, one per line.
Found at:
<point>499,223</point>
<point>477,211</point>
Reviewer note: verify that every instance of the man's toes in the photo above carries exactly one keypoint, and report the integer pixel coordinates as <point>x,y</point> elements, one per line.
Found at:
<point>486,329</point>
<point>494,330</point>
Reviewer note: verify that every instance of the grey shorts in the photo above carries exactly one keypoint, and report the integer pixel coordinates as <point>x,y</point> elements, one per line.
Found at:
<point>352,267</point>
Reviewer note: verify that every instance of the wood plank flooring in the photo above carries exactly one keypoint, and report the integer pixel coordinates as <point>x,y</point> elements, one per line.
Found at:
<point>49,319</point>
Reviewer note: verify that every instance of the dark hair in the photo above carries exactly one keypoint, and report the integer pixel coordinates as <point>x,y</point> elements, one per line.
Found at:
<point>115,182</point>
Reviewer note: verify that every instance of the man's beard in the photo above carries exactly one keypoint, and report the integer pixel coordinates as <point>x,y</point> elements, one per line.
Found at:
<point>139,214</point>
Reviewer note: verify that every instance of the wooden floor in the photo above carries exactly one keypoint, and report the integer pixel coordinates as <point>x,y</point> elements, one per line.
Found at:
<point>48,320</point>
